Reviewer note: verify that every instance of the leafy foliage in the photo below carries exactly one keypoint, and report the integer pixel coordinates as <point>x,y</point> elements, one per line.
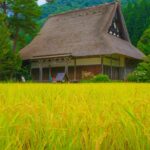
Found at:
<point>137,16</point>
<point>21,20</point>
<point>17,27</point>
<point>144,42</point>
<point>10,62</point>
<point>101,78</point>
<point>142,73</point>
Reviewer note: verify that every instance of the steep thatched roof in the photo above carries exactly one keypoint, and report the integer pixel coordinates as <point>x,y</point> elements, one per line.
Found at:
<point>81,33</point>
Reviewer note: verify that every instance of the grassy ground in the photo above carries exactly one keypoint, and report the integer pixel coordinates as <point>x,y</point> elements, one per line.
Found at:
<point>111,116</point>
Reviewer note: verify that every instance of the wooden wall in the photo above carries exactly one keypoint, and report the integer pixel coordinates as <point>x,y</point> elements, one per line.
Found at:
<point>117,60</point>
<point>84,72</point>
<point>85,67</point>
<point>114,60</point>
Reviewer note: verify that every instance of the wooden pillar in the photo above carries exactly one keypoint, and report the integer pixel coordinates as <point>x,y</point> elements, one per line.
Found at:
<point>125,69</point>
<point>111,68</point>
<point>75,69</point>
<point>102,64</point>
<point>31,71</point>
<point>50,73</point>
<point>66,67</point>
<point>120,70</point>
<point>40,71</point>
<point>50,70</point>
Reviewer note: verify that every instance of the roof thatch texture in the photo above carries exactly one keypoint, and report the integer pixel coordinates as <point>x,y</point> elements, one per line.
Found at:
<point>80,33</point>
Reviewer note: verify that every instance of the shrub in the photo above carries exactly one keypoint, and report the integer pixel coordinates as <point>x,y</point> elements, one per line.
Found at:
<point>142,72</point>
<point>131,77</point>
<point>137,76</point>
<point>101,78</point>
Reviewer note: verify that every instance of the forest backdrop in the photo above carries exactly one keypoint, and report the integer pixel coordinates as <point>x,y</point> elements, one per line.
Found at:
<point>21,20</point>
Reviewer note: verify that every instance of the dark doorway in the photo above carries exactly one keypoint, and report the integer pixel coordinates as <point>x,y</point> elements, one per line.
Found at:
<point>46,72</point>
<point>35,74</point>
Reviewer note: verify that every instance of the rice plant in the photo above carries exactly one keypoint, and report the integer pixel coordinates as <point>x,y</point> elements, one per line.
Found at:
<point>109,116</point>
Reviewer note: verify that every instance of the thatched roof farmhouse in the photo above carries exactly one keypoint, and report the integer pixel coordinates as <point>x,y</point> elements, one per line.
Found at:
<point>83,43</point>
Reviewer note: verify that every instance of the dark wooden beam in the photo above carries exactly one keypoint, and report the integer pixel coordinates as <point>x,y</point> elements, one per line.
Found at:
<point>75,69</point>
<point>109,57</point>
<point>120,69</point>
<point>40,71</point>
<point>125,68</point>
<point>111,67</point>
<point>66,67</point>
<point>102,64</point>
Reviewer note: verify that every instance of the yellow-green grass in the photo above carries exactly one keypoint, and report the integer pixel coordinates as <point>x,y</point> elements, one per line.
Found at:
<point>75,116</point>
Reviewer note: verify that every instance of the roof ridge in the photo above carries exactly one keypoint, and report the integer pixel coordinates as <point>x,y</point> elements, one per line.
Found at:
<point>82,9</point>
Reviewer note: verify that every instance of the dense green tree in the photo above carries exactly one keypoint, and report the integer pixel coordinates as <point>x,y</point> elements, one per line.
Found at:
<point>144,42</point>
<point>10,62</point>
<point>21,19</point>
<point>4,35</point>
<point>18,24</point>
<point>137,16</point>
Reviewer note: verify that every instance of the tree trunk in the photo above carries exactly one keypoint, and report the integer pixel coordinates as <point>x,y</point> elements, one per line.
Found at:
<point>3,5</point>
<point>15,40</point>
